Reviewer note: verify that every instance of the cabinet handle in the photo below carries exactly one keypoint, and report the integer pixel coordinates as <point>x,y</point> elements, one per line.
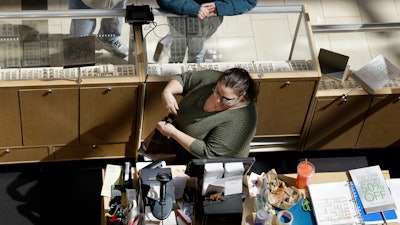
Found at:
<point>344,98</point>
<point>398,99</point>
<point>94,146</point>
<point>49,91</point>
<point>8,150</point>
<point>109,89</point>
<point>286,84</point>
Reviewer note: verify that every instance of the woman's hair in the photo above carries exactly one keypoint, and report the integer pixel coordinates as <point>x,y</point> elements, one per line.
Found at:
<point>240,81</point>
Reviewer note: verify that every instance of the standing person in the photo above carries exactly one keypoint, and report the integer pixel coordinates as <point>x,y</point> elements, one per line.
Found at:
<point>216,117</point>
<point>110,28</point>
<point>209,14</point>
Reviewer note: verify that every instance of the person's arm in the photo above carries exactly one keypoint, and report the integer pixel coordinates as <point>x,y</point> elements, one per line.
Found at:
<point>234,7</point>
<point>180,7</point>
<point>171,131</point>
<point>172,88</point>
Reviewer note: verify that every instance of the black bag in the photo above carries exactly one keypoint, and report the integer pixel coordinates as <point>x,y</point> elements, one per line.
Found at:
<point>159,147</point>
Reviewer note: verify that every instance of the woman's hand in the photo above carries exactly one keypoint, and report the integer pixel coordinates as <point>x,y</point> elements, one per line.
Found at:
<point>207,10</point>
<point>170,102</point>
<point>165,128</point>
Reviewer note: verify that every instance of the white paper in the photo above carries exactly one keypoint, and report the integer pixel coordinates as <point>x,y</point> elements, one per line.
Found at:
<point>233,169</point>
<point>112,177</point>
<point>213,173</point>
<point>394,186</point>
<point>378,72</point>
<point>150,219</point>
<point>233,185</point>
<point>333,203</point>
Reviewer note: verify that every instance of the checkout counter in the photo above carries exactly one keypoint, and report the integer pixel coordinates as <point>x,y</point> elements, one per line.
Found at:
<point>247,215</point>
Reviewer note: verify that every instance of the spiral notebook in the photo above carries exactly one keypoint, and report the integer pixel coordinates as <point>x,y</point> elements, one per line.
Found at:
<point>336,203</point>
<point>373,218</point>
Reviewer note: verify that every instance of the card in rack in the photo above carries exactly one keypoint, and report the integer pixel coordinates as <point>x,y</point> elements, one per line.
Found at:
<point>372,189</point>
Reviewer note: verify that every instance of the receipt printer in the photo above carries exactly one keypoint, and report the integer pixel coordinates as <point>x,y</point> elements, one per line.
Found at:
<point>157,192</point>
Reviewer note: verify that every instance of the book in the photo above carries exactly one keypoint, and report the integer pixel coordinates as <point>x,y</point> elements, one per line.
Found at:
<point>372,189</point>
<point>336,203</point>
<point>389,216</point>
<point>376,74</point>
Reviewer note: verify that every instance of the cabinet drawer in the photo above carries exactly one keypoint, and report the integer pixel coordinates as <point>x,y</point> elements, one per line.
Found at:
<point>89,151</point>
<point>12,155</point>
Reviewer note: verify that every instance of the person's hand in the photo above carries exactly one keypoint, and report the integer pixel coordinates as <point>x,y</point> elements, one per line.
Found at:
<point>165,128</point>
<point>207,10</point>
<point>170,103</point>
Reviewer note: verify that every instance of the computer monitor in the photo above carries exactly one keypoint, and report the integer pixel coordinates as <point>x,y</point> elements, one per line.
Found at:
<point>195,168</point>
<point>332,64</point>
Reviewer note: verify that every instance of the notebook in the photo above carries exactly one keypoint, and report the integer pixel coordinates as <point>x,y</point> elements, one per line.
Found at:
<point>376,74</point>
<point>336,203</point>
<point>373,218</point>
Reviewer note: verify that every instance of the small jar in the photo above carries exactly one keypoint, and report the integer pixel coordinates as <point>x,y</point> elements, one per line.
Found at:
<point>263,217</point>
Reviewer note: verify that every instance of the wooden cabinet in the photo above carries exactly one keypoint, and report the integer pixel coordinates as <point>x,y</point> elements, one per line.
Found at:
<point>108,114</point>
<point>282,106</point>
<point>382,125</point>
<point>30,154</point>
<point>49,116</point>
<point>74,121</point>
<point>10,122</point>
<point>336,122</point>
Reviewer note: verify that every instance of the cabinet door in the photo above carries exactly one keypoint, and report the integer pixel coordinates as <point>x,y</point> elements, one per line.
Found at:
<point>382,125</point>
<point>108,114</point>
<point>49,116</point>
<point>10,121</point>
<point>336,124</point>
<point>154,109</point>
<point>282,106</point>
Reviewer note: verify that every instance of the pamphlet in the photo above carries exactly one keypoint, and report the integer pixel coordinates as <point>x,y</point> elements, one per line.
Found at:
<point>372,189</point>
<point>377,73</point>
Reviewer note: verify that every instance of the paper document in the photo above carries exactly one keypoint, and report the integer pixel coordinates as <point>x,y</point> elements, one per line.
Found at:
<point>111,177</point>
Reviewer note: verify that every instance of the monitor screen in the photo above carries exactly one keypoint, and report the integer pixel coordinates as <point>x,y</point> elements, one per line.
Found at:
<point>195,168</point>
<point>331,62</point>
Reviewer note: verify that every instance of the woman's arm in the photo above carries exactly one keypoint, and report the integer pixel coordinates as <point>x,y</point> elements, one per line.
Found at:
<point>172,88</point>
<point>171,131</point>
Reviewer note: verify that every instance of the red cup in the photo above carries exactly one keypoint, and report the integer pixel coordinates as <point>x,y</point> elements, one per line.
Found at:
<point>305,170</point>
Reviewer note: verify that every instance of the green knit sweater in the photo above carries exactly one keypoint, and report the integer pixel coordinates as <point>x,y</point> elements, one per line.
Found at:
<point>225,133</point>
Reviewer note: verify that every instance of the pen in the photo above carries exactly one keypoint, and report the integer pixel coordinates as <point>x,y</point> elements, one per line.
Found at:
<point>384,217</point>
